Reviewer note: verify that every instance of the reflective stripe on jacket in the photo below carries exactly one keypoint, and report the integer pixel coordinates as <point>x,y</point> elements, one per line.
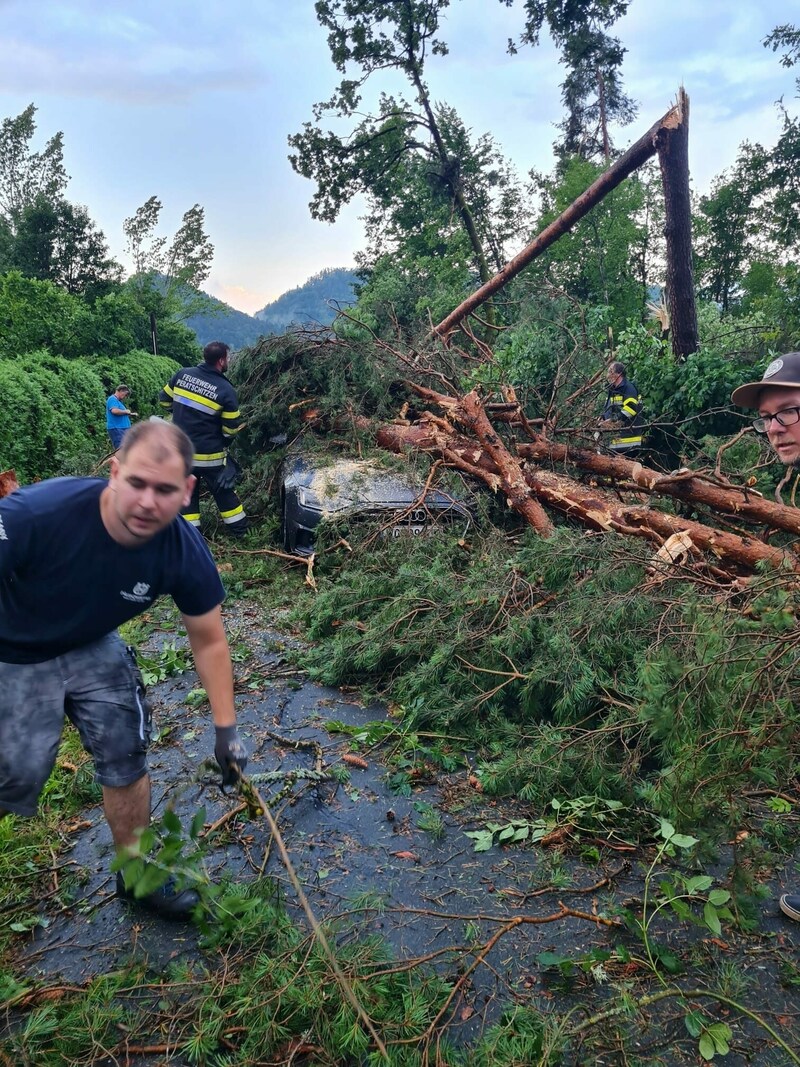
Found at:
<point>623,404</point>
<point>205,406</point>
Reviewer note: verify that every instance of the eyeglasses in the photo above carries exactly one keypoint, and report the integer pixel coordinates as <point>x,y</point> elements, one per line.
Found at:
<point>787,417</point>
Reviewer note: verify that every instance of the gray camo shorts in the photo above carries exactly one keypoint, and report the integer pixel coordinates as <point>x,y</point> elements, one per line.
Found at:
<point>99,689</point>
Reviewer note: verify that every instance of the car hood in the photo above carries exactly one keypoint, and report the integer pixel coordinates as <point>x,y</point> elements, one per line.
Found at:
<point>357,484</point>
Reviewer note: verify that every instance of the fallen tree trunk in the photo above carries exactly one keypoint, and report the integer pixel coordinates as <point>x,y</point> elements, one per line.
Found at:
<point>592,507</point>
<point>600,510</point>
<point>508,476</point>
<point>637,154</point>
<point>689,486</point>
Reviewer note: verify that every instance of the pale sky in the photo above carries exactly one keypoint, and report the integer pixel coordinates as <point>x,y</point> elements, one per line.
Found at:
<point>192,102</point>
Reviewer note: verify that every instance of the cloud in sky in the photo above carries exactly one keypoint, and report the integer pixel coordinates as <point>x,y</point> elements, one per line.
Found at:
<point>193,102</point>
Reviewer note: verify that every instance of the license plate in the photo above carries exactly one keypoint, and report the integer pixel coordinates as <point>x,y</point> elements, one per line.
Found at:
<point>409,530</point>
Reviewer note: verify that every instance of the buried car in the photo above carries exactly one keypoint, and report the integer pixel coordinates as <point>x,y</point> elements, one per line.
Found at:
<point>315,488</point>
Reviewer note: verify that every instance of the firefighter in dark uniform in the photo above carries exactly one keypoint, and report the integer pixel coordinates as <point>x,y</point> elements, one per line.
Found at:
<point>623,407</point>
<point>205,406</point>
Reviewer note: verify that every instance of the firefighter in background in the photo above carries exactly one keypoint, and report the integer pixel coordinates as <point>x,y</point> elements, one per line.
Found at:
<point>205,406</point>
<point>622,409</point>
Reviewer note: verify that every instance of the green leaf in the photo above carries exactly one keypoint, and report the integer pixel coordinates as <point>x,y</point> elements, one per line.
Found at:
<point>171,821</point>
<point>198,822</point>
<point>552,959</point>
<point>699,883</point>
<point>483,839</point>
<point>132,871</point>
<point>667,830</point>
<point>168,853</point>
<point>720,1034</point>
<point>706,1047</point>
<point>718,896</point>
<point>681,909</point>
<point>712,919</point>
<point>683,840</point>
<point>668,960</point>
<point>538,831</point>
<point>151,879</point>
<point>147,840</point>
<point>694,1022</point>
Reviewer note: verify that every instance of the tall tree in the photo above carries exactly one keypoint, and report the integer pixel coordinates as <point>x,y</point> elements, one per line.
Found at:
<point>788,37</point>
<point>57,241</point>
<point>592,90</point>
<point>724,227</point>
<point>748,227</point>
<point>375,36</point>
<point>177,267</point>
<point>26,175</point>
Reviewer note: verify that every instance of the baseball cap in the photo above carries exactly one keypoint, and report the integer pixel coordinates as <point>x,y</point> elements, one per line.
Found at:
<point>783,371</point>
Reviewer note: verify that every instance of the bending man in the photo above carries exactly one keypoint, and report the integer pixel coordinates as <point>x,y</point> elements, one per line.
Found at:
<point>78,557</point>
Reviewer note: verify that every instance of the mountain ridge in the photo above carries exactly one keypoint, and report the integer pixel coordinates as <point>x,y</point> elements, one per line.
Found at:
<point>313,303</point>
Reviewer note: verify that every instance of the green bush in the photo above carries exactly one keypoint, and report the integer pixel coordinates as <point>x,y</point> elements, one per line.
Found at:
<point>53,414</point>
<point>38,315</point>
<point>145,373</point>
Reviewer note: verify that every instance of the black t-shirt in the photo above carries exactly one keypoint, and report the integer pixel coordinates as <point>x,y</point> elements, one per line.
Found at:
<point>65,582</point>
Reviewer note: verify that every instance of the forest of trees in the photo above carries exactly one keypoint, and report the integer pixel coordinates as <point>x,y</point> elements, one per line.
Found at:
<point>444,211</point>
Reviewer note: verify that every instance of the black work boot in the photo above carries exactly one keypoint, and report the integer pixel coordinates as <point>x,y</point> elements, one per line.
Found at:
<point>166,901</point>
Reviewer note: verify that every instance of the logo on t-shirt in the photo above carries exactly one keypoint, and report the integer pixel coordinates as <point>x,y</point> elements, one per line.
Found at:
<point>139,593</point>
<point>3,534</point>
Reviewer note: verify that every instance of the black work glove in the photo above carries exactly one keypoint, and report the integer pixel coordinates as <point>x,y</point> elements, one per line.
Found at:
<point>229,475</point>
<point>230,753</point>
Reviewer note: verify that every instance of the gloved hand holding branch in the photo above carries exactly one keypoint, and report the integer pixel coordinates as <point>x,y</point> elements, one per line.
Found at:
<point>230,753</point>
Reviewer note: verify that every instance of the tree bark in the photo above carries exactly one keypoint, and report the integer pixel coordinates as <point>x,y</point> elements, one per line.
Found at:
<point>693,488</point>
<point>636,155</point>
<point>595,508</point>
<point>673,157</point>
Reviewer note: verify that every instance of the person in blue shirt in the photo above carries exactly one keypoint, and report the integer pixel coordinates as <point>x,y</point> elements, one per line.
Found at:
<point>78,557</point>
<point>118,416</point>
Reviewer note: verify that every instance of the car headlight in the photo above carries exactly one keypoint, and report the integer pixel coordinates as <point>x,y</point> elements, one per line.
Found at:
<point>307,498</point>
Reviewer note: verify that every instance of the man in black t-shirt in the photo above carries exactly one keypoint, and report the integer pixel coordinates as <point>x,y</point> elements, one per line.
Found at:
<point>78,557</point>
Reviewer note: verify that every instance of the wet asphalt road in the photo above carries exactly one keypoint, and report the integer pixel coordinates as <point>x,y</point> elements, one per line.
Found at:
<point>348,839</point>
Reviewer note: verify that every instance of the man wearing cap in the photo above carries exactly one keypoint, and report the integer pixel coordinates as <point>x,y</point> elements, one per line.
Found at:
<point>777,398</point>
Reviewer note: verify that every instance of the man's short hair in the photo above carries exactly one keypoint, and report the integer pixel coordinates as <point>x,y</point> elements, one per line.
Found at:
<point>617,368</point>
<point>164,437</point>
<point>214,352</point>
<point>122,389</point>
